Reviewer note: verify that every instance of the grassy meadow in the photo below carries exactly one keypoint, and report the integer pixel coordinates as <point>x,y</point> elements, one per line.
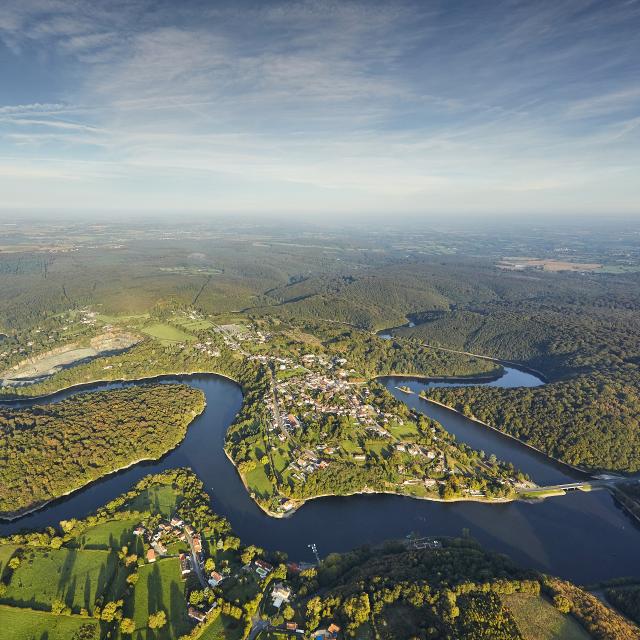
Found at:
<point>160,586</point>
<point>538,619</point>
<point>74,576</point>
<point>27,624</point>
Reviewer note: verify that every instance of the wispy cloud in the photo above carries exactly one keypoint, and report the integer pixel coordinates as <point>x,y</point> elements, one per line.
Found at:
<point>358,104</point>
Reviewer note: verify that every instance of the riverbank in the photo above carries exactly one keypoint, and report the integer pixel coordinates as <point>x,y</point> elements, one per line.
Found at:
<point>370,492</point>
<point>471,378</point>
<point>507,435</point>
<point>93,383</point>
<point>11,516</point>
<point>508,363</point>
<point>298,503</point>
<point>558,536</point>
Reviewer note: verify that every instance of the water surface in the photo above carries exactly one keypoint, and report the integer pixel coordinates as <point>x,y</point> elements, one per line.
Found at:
<point>581,536</point>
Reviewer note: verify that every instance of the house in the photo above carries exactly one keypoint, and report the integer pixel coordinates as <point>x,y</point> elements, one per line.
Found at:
<point>176,522</point>
<point>151,555</point>
<point>263,569</point>
<point>324,634</point>
<point>197,544</point>
<point>185,564</point>
<point>196,614</point>
<point>280,593</point>
<point>360,457</point>
<point>215,579</point>
<point>263,565</point>
<point>291,626</point>
<point>159,548</point>
<point>138,531</point>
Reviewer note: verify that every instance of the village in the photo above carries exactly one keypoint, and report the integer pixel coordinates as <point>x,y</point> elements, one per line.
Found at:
<point>309,390</point>
<point>205,585</point>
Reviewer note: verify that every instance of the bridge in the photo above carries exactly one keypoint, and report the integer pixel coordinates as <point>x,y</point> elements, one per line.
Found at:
<point>597,482</point>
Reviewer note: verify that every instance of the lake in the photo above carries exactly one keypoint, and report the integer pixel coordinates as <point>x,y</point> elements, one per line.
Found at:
<point>584,537</point>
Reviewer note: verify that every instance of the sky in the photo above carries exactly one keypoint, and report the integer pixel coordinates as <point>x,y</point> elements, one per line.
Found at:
<point>321,108</point>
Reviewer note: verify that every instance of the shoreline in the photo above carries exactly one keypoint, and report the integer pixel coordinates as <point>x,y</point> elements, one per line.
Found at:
<point>366,491</point>
<point>517,365</point>
<point>509,363</point>
<point>302,502</point>
<point>480,379</point>
<point>508,435</point>
<point>17,515</point>
<point>80,385</point>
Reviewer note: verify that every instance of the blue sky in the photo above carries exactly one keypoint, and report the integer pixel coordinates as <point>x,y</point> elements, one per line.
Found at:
<point>513,107</point>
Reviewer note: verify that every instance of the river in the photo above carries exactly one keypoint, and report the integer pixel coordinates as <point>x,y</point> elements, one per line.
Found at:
<point>581,536</point>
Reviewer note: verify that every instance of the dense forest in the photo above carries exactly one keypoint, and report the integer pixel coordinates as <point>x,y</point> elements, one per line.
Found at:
<point>51,449</point>
<point>591,421</point>
<point>626,599</point>
<point>457,591</point>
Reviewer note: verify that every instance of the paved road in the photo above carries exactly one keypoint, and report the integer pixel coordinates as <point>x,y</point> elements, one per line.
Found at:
<point>586,485</point>
<point>196,564</point>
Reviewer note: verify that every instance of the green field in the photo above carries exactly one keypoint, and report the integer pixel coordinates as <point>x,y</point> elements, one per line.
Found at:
<point>289,373</point>
<point>27,624</point>
<point>125,319</point>
<point>538,619</point>
<point>193,325</point>
<point>280,459</point>
<point>166,333</point>
<point>113,534</point>
<point>74,576</point>
<point>159,586</point>
<point>258,481</point>
<point>161,499</point>
<point>222,628</point>
<point>6,551</point>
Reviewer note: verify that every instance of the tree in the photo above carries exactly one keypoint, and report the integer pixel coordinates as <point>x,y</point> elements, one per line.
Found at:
<point>249,553</point>
<point>58,607</point>
<point>85,632</point>
<point>127,625</point>
<point>562,604</point>
<point>157,620</point>
<point>210,565</point>
<point>56,542</point>
<point>288,612</point>
<point>110,611</point>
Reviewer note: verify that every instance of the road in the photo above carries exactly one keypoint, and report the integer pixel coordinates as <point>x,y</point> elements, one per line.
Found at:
<point>196,564</point>
<point>587,485</point>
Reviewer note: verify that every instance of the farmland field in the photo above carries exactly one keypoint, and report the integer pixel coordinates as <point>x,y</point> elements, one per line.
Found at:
<point>76,577</point>
<point>158,498</point>
<point>6,551</point>
<point>108,535</point>
<point>538,619</point>
<point>222,628</point>
<point>159,587</point>
<point>166,333</point>
<point>27,624</point>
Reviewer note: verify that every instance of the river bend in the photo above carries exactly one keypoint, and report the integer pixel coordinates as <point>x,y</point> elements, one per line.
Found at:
<point>584,537</point>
